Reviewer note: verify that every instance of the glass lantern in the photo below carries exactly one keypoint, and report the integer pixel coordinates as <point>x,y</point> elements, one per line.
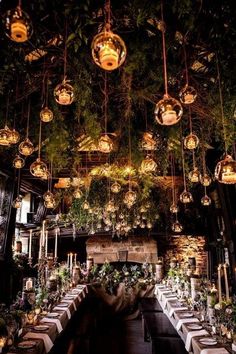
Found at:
<point>108,50</point>
<point>110,206</point>
<point>18,26</point>
<point>46,115</point>
<point>191,141</point>
<point>194,175</point>
<point>29,284</point>
<point>148,165</point>
<point>176,227</point>
<point>174,208</point>
<point>168,111</point>
<point>38,168</point>
<point>85,205</point>
<point>5,136</point>
<point>130,198</point>
<point>188,94</point>
<point>77,193</point>
<point>205,180</point>
<point>50,204</point>
<point>186,197</point>
<point>14,136</point>
<point>115,187</point>
<point>17,202</point>
<point>64,93</point>
<point>206,200</point>
<point>105,144</point>
<point>48,196</point>
<point>225,171</point>
<point>26,148</point>
<point>18,162</point>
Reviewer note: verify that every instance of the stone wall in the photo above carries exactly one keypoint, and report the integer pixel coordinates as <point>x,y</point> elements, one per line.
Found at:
<point>135,249</point>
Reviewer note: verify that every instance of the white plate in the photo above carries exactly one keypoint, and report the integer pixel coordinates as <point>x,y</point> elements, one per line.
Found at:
<point>27,344</point>
<point>186,314</point>
<point>194,326</point>
<point>53,315</point>
<point>208,341</point>
<point>63,304</point>
<point>41,328</point>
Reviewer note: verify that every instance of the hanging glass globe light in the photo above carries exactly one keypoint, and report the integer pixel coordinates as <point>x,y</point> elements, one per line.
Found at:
<point>38,168</point>
<point>142,225</point>
<point>121,216</point>
<point>45,175</point>
<point>174,208</point>
<point>17,202</point>
<point>191,141</point>
<point>108,50</point>
<point>149,225</point>
<point>194,175</point>
<point>188,94</point>
<point>18,25</point>
<point>176,226</point>
<point>46,115</point>
<point>85,205</point>
<point>115,187</point>
<point>110,207</point>
<point>5,136</point>
<point>77,193</point>
<point>205,180</point>
<point>186,197</point>
<point>50,204</point>
<point>168,111</point>
<point>99,225</point>
<point>130,198</point>
<point>225,171</point>
<point>105,144</point>
<point>206,200</point>
<point>148,165</point>
<point>47,196</point>
<point>64,93</point>
<point>14,136</point>
<point>26,148</point>
<point>18,162</point>
<point>142,209</point>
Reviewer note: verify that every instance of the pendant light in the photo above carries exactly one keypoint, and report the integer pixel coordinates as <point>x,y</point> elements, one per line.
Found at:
<point>46,114</point>
<point>185,197</point>
<point>176,226</point>
<point>205,200</point>
<point>18,162</point>
<point>49,199</point>
<point>18,200</point>
<point>191,141</point>
<point>225,170</point>
<point>168,111</point>
<point>108,49</point>
<point>148,165</point>
<point>174,206</point>
<point>115,187</point>
<point>6,137</point>
<point>105,143</point>
<point>18,26</point>
<point>188,94</point>
<point>64,92</point>
<point>26,147</point>
<point>38,168</point>
<point>194,175</point>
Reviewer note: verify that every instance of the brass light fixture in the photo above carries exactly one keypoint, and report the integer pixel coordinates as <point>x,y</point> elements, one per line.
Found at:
<point>18,25</point>
<point>38,168</point>
<point>108,49</point>
<point>168,111</point>
<point>26,147</point>
<point>225,170</point>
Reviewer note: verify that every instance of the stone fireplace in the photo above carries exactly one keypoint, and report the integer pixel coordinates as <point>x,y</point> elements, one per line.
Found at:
<point>138,249</point>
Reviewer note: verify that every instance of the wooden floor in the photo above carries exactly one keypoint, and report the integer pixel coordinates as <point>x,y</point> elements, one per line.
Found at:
<point>96,330</point>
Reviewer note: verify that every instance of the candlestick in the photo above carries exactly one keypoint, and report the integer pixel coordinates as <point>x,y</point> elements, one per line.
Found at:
<point>30,244</point>
<point>71,262</point>
<point>219,283</point>
<point>68,260</point>
<point>40,245</point>
<point>75,258</point>
<point>43,233</point>
<point>226,282</point>
<point>46,244</point>
<point>55,250</point>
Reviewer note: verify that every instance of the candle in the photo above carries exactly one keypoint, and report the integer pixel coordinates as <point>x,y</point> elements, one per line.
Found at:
<point>43,233</point>
<point>40,245</point>
<point>55,251</point>
<point>46,244</point>
<point>226,282</point>
<point>30,244</point>
<point>28,284</point>
<point>68,260</point>
<point>71,262</point>
<point>219,283</point>
<point>75,258</point>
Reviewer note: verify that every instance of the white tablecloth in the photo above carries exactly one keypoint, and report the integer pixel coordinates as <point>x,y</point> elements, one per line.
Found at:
<point>192,334</point>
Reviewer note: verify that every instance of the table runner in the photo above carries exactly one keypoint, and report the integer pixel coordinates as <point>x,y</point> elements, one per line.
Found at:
<point>48,344</point>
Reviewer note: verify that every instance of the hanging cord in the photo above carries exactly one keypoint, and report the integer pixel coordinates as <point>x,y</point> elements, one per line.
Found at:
<point>65,52</point>
<point>28,117</point>
<point>7,109</point>
<point>205,190</point>
<point>164,50</point>
<point>50,177</point>
<point>105,101</point>
<point>221,102</point>
<point>129,154</point>
<point>190,120</point>
<point>47,92</point>
<point>185,65</point>
<point>172,178</point>
<point>194,160</point>
<point>40,134</point>
<point>107,15</point>
<point>18,183</point>
<point>183,163</point>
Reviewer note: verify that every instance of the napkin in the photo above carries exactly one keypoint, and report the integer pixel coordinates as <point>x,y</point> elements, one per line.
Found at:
<point>53,320</point>
<point>48,344</point>
<point>164,303</point>
<point>173,309</point>
<point>63,309</point>
<point>214,351</point>
<point>185,320</point>
<point>69,302</point>
<point>192,334</point>
<point>161,293</point>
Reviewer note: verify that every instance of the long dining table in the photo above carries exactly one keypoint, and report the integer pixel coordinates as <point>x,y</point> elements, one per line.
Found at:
<point>196,336</point>
<point>39,339</point>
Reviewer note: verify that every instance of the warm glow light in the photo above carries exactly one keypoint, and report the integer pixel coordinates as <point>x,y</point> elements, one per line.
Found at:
<point>105,144</point>
<point>64,93</point>
<point>115,187</point>
<point>5,138</point>
<point>18,25</point>
<point>188,94</point>
<point>206,201</point>
<point>176,226</point>
<point>174,208</point>
<point>225,171</point>
<point>26,148</point>
<point>46,115</point>
<point>205,180</point>
<point>194,175</point>
<point>168,111</point>
<point>48,196</point>
<point>191,141</point>
<point>38,168</point>
<point>17,202</point>
<point>186,197</point>
<point>18,162</point>
<point>148,165</point>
